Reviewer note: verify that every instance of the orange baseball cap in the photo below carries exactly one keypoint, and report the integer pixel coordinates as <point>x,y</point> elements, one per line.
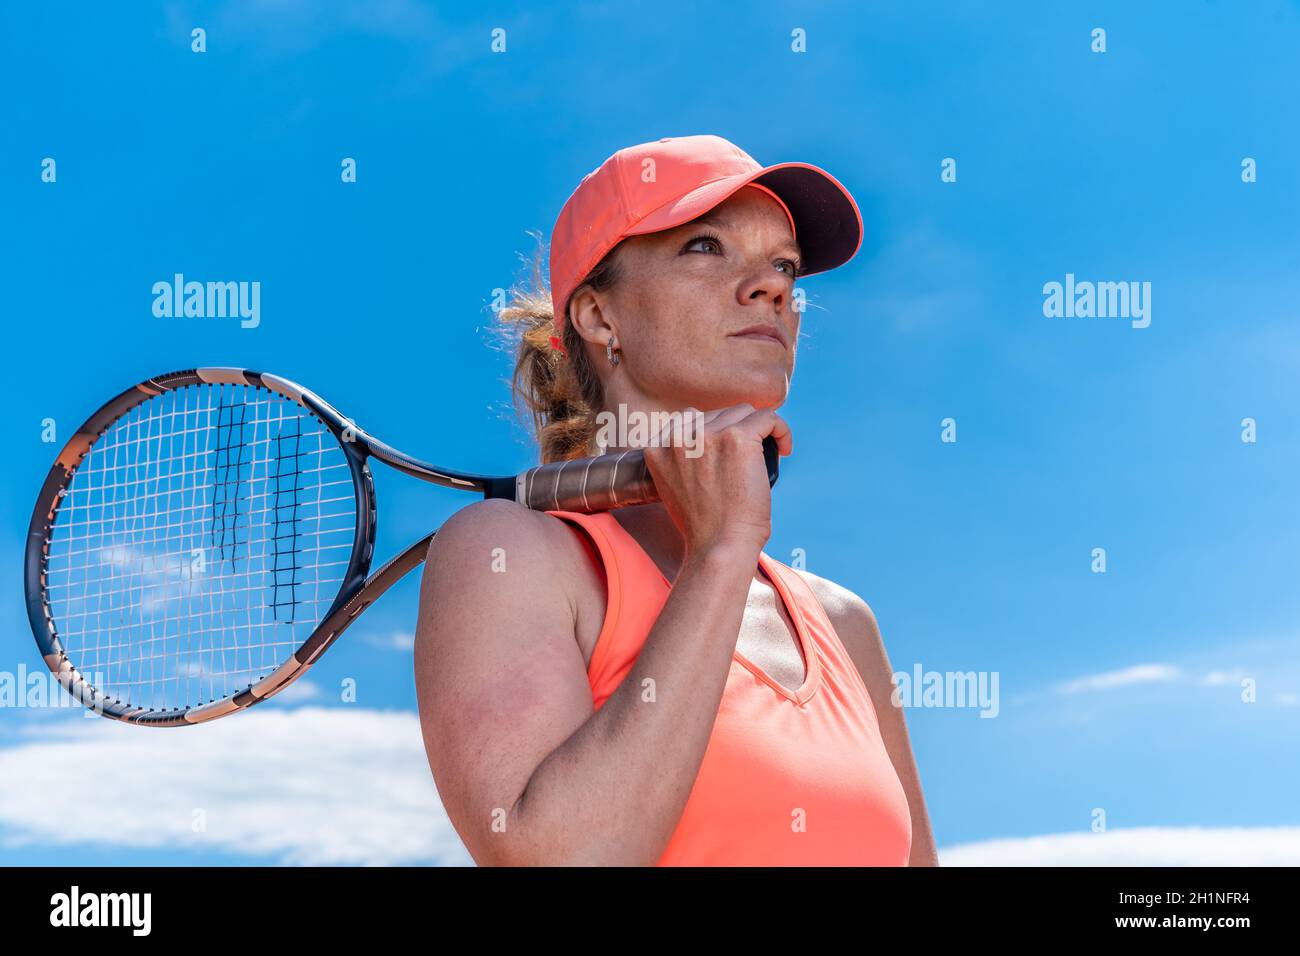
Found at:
<point>660,185</point>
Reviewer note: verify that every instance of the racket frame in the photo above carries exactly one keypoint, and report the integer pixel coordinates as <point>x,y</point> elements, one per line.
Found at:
<point>356,592</point>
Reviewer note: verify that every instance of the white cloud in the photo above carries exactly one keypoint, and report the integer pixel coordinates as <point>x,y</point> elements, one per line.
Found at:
<point>1138,674</point>
<point>1140,846</point>
<point>1217,678</point>
<point>311,786</point>
<point>299,692</point>
<point>395,641</point>
<point>351,786</point>
<point>1146,674</point>
<point>1154,673</point>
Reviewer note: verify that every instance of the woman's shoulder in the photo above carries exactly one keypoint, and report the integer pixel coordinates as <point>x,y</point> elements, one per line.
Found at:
<point>498,560</point>
<point>855,626</point>
<point>851,616</point>
<point>496,529</point>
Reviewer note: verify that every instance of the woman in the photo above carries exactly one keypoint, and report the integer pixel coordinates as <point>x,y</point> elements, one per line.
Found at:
<point>577,707</point>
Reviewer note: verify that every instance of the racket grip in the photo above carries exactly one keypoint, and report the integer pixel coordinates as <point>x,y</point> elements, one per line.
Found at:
<point>618,480</point>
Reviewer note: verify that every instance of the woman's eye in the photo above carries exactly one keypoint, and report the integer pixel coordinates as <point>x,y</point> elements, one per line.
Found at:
<point>792,268</point>
<point>710,245</point>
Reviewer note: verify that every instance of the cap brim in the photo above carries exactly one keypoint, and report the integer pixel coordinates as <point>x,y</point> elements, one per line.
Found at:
<point>827,222</point>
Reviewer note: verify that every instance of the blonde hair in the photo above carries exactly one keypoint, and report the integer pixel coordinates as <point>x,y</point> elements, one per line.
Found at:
<point>561,392</point>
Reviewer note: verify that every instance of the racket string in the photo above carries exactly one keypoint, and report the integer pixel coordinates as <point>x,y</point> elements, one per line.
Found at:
<point>192,552</point>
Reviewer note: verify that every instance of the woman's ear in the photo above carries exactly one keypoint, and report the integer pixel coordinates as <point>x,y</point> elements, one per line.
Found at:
<point>592,316</point>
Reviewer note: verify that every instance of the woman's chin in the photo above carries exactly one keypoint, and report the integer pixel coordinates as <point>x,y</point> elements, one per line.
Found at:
<point>762,388</point>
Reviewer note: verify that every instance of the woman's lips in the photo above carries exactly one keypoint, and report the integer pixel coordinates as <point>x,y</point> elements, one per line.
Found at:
<point>761,334</point>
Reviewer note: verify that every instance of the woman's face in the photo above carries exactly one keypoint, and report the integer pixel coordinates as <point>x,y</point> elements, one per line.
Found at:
<point>703,312</point>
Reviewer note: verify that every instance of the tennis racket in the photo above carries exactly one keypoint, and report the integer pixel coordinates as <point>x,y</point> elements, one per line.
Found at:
<point>206,535</point>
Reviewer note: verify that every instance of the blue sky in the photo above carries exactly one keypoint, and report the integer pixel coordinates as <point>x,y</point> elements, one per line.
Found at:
<point>1120,691</point>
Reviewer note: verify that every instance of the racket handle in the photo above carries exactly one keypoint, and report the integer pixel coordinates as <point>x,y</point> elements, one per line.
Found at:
<point>618,480</point>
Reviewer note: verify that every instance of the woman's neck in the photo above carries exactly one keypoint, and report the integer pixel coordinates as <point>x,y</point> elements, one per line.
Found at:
<point>654,529</point>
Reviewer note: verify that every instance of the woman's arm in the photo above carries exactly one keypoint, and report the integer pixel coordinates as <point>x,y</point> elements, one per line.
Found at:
<point>856,626</point>
<point>527,772</point>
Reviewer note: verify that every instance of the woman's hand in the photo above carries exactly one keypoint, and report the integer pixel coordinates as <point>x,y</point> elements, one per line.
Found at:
<point>721,497</point>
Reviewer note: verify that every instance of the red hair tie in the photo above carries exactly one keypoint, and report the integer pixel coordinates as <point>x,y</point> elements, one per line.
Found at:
<point>558,346</point>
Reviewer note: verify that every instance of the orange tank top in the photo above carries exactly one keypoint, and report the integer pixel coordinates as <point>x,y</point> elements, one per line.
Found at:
<point>789,778</point>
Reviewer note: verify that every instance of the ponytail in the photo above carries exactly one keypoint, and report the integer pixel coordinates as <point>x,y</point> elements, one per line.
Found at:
<point>554,380</point>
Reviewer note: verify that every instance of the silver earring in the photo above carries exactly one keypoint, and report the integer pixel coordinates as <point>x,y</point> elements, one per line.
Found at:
<point>609,351</point>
